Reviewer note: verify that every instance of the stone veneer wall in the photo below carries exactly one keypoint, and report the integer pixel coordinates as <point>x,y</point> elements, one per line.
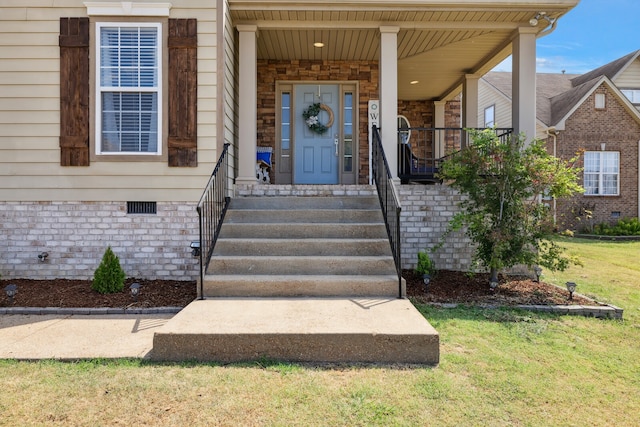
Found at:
<point>426,212</point>
<point>272,71</point>
<point>76,234</point>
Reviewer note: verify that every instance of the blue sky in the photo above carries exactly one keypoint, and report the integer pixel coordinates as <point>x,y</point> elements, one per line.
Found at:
<point>592,34</point>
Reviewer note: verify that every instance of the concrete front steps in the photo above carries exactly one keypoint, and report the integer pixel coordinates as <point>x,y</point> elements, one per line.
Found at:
<point>303,279</point>
<point>302,246</point>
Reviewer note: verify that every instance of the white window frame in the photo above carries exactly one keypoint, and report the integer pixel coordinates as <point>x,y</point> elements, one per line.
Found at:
<point>491,123</point>
<point>155,89</point>
<point>633,95</point>
<point>600,173</point>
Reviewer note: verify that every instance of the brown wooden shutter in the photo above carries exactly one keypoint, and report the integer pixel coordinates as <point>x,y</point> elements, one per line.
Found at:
<point>74,91</point>
<point>183,92</point>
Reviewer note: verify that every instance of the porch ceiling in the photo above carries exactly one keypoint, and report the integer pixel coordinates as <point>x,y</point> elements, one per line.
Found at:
<point>438,42</point>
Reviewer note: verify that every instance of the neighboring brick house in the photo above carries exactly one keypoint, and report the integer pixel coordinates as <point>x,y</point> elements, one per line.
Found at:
<point>595,114</point>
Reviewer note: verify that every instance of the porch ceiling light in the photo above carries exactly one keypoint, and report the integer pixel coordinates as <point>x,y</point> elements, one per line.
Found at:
<point>414,82</point>
<point>318,44</point>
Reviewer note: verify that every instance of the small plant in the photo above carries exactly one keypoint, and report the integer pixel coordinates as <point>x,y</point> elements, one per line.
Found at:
<point>425,264</point>
<point>109,276</point>
<point>624,227</point>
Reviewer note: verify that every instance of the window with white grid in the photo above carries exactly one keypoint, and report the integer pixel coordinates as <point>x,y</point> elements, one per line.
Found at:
<point>601,173</point>
<point>128,84</point>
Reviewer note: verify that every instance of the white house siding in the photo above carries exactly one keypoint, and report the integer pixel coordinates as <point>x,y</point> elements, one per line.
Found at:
<point>230,78</point>
<point>630,77</point>
<point>487,96</point>
<point>73,213</point>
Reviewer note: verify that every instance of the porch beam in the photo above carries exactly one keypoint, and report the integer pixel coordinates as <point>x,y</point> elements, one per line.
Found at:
<point>371,25</point>
<point>388,87</point>
<point>247,104</point>
<point>524,83</point>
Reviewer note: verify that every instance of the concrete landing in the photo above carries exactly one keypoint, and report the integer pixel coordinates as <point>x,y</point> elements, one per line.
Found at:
<point>370,330</point>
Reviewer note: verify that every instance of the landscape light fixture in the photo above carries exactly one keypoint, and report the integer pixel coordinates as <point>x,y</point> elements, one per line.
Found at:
<point>571,287</point>
<point>426,279</point>
<point>11,291</point>
<point>135,290</point>
<point>538,272</point>
<point>493,284</point>
<point>195,248</point>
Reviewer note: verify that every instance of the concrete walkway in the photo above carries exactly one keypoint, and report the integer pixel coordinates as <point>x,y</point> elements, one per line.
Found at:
<point>69,337</point>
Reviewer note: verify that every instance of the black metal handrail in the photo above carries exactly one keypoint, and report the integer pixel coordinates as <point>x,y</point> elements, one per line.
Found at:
<point>389,201</point>
<point>422,149</point>
<point>211,210</point>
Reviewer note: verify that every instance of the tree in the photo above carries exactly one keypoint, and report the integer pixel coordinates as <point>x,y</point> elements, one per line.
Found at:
<point>504,182</point>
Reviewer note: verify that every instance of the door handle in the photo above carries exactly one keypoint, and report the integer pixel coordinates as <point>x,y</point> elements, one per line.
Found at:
<point>336,141</point>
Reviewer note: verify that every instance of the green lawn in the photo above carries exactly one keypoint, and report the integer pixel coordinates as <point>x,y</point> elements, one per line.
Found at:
<point>498,368</point>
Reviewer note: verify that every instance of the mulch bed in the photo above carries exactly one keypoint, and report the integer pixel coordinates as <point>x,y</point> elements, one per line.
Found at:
<point>462,288</point>
<point>446,287</point>
<point>78,293</point>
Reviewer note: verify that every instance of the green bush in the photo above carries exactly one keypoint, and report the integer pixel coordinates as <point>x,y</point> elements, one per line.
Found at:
<point>109,276</point>
<point>425,264</point>
<point>624,227</point>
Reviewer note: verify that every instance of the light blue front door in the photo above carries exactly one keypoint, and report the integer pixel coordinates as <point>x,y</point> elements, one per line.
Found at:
<point>316,155</point>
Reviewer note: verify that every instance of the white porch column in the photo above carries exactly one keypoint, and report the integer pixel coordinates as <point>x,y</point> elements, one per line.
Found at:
<point>439,122</point>
<point>247,104</point>
<point>524,83</point>
<point>470,101</point>
<point>388,87</point>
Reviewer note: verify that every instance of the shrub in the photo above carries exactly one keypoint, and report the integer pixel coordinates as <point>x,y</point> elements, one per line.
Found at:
<point>624,227</point>
<point>503,182</point>
<point>425,264</point>
<point>109,276</point>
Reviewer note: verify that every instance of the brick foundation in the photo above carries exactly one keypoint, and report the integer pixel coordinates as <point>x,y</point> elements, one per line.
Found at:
<point>76,234</point>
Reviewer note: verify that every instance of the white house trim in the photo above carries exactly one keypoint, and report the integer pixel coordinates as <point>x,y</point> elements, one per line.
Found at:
<point>524,83</point>
<point>127,8</point>
<point>388,88</point>
<point>247,104</point>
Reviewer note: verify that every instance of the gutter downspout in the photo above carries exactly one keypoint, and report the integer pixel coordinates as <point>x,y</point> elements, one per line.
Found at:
<point>554,133</point>
<point>550,29</point>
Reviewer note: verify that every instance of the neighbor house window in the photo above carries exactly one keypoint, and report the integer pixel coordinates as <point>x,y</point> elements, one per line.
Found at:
<point>632,94</point>
<point>128,88</point>
<point>602,173</point>
<point>490,116</point>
